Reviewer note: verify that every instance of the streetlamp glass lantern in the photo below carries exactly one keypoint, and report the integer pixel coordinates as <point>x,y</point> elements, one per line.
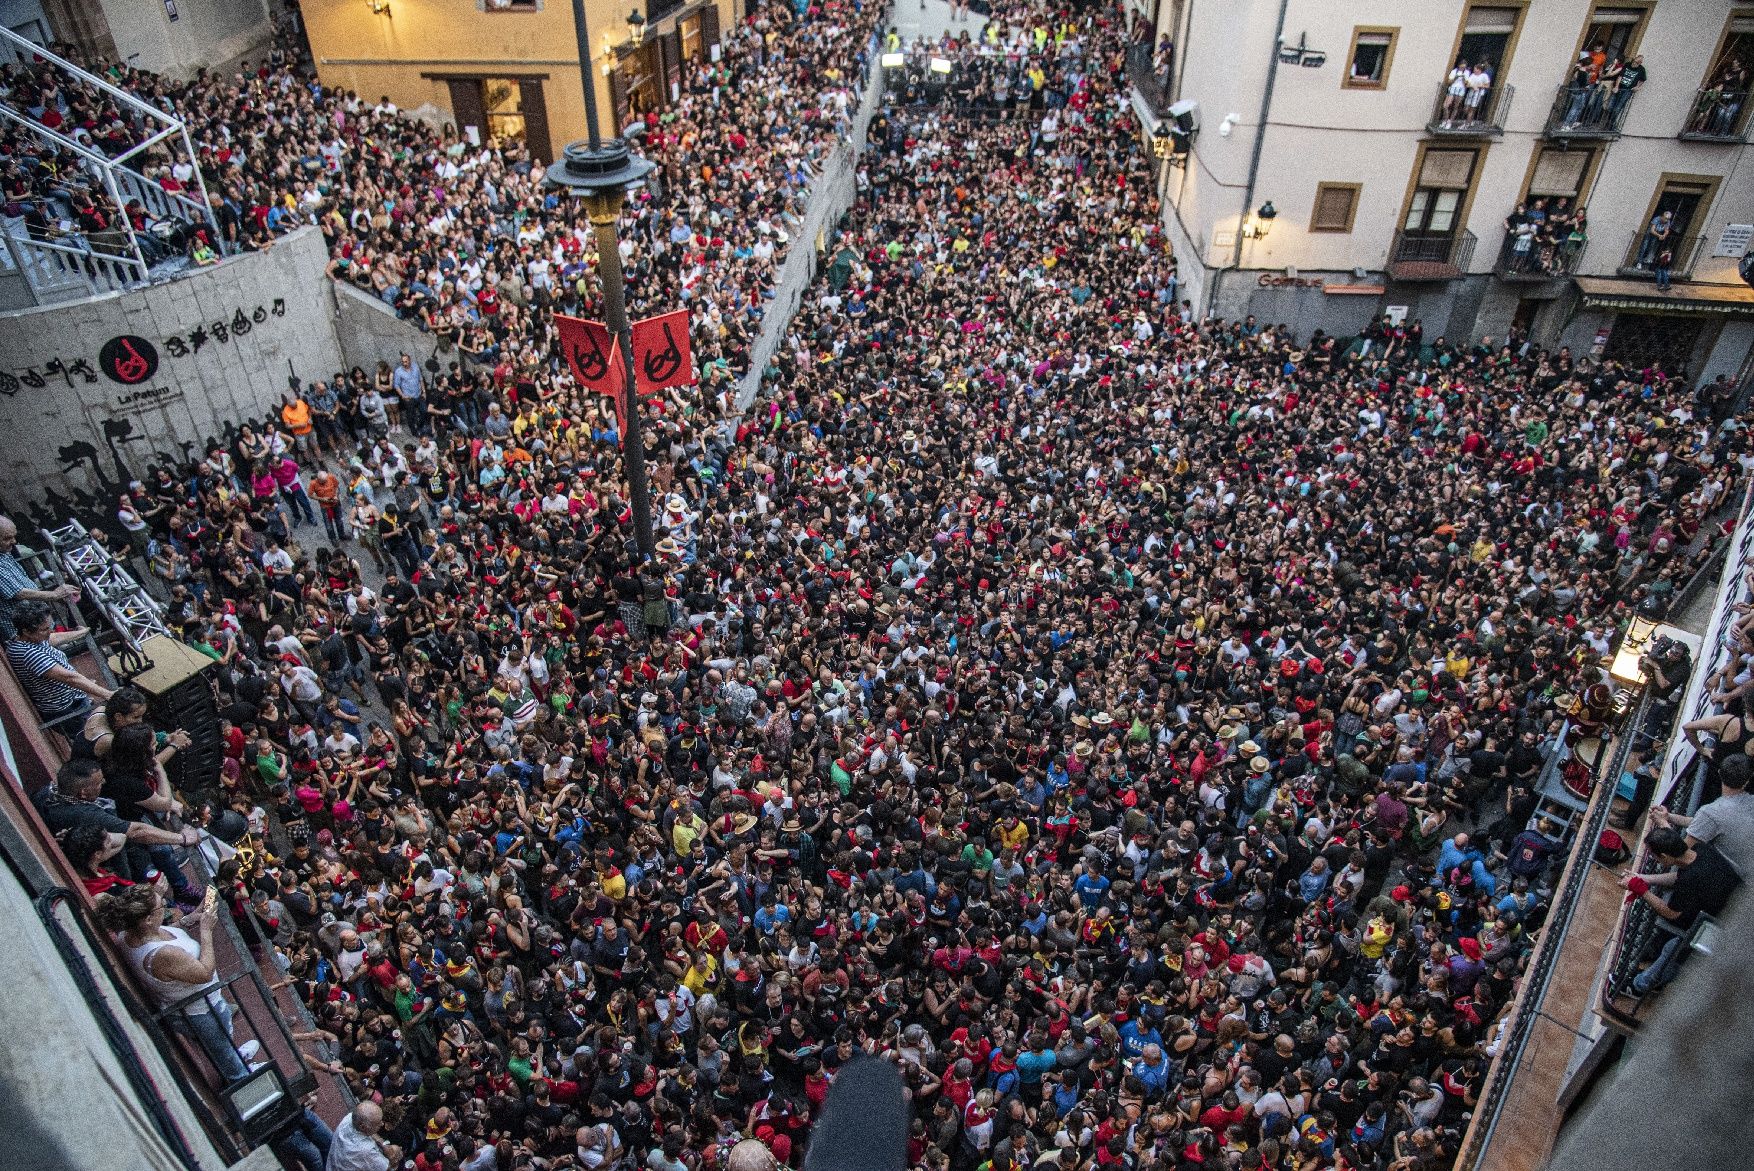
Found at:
<point>636,28</point>
<point>1264,218</point>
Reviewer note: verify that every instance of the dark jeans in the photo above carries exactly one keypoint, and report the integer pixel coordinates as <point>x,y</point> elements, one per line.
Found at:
<point>307,1144</point>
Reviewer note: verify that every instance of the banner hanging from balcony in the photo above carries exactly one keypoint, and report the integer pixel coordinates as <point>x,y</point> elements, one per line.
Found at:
<point>662,355</point>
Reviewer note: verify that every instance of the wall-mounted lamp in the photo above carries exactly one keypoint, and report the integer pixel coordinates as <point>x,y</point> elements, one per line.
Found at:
<point>636,28</point>
<point>1162,142</point>
<point>378,7</point>
<point>1262,222</point>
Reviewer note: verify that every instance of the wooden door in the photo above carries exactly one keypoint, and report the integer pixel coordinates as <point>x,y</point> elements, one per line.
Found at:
<point>535,108</point>
<point>466,106</point>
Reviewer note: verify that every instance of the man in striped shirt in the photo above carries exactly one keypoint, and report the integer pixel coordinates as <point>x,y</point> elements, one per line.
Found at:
<point>59,692</point>
<point>16,585</point>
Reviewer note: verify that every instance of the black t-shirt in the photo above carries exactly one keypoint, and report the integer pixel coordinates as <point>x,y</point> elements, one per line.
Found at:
<point>1703,886</point>
<point>127,791</point>
<point>62,813</point>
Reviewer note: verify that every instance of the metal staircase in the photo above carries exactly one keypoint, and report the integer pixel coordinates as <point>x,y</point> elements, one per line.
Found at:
<point>59,262</point>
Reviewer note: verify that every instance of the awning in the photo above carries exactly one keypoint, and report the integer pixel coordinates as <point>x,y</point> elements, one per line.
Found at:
<point>1633,296</point>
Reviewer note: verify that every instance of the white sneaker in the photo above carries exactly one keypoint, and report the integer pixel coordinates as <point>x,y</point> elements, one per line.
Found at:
<point>249,1049</point>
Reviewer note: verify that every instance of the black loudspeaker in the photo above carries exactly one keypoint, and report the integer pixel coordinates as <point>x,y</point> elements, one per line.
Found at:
<point>179,695</point>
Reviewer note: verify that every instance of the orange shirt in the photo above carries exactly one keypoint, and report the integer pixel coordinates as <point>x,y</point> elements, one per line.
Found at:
<point>297,416</point>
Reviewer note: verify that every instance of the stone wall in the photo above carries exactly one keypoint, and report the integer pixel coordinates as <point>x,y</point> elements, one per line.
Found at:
<point>94,392</point>
<point>370,331</point>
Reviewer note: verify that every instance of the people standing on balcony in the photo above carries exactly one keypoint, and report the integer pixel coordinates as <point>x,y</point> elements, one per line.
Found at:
<point>1656,238</point>
<point>179,970</point>
<point>1479,87</point>
<point>77,798</point>
<point>1632,75</point>
<point>1699,881</point>
<point>17,586</point>
<point>1728,822</point>
<point>1455,95</point>
<point>1580,85</point>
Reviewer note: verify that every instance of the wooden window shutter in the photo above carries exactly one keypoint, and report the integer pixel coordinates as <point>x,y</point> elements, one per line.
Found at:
<point>618,99</point>
<point>1446,168</point>
<point>1333,209</point>
<point>535,109</point>
<point>1559,172</point>
<point>709,28</point>
<point>466,105</point>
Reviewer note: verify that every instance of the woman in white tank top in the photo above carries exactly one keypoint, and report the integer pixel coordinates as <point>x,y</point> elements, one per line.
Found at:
<point>173,966</point>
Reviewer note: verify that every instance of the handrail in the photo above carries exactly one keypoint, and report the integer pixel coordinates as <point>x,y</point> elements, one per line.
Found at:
<point>1640,923</point>
<point>1587,111</point>
<point>1718,115</point>
<point>111,1028</point>
<point>1453,115</point>
<point>1539,261</point>
<point>1532,992</point>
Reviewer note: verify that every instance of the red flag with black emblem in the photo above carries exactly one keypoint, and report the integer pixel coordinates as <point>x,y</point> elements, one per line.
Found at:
<point>592,354</point>
<point>662,355</point>
<point>595,359</point>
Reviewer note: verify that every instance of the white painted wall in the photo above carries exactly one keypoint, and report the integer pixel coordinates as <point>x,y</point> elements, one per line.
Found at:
<point>1319,131</point>
<point>205,32</point>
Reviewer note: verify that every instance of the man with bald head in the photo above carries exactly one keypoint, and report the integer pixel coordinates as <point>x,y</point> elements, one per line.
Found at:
<point>18,586</point>
<point>357,1147</point>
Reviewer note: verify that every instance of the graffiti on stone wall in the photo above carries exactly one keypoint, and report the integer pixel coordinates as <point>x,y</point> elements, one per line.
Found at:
<point>94,476</point>
<point>131,360</point>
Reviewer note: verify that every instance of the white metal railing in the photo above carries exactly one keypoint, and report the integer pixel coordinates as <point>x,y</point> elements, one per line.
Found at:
<point>55,270</point>
<point>67,271</point>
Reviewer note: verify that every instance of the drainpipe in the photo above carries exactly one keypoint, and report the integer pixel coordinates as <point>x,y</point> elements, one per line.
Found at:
<point>1248,197</point>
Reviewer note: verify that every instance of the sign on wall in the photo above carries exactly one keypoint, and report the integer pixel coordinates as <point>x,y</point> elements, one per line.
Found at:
<point>1735,240</point>
<point>95,392</point>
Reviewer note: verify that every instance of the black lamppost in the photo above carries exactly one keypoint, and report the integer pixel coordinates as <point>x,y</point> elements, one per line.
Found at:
<point>599,172</point>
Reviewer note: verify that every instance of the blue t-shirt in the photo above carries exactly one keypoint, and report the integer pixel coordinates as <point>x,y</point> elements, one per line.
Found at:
<point>1134,1038</point>
<point>1031,1065</point>
<point>1091,888</point>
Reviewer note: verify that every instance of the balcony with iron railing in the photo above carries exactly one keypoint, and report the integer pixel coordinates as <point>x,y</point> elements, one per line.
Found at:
<point>1465,116</point>
<point>1587,111</point>
<point>1645,252</point>
<point>242,1085</point>
<point>1142,72</point>
<point>1415,257</point>
<point>1534,259</point>
<point>1718,115</point>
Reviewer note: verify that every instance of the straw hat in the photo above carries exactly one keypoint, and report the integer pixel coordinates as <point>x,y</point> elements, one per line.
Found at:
<point>1260,764</point>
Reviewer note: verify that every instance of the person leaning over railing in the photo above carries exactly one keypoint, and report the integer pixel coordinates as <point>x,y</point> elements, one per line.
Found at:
<point>1701,882</point>
<point>18,586</point>
<point>61,695</point>
<point>1728,822</point>
<point>179,969</point>
<point>76,798</point>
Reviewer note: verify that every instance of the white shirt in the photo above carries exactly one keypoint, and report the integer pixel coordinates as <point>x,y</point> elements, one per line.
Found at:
<point>352,1151</point>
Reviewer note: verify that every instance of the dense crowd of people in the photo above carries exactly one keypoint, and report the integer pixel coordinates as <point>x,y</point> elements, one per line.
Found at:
<point>1124,721</point>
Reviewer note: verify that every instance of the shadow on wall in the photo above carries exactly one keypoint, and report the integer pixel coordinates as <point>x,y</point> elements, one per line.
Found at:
<point>1680,1097</point>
